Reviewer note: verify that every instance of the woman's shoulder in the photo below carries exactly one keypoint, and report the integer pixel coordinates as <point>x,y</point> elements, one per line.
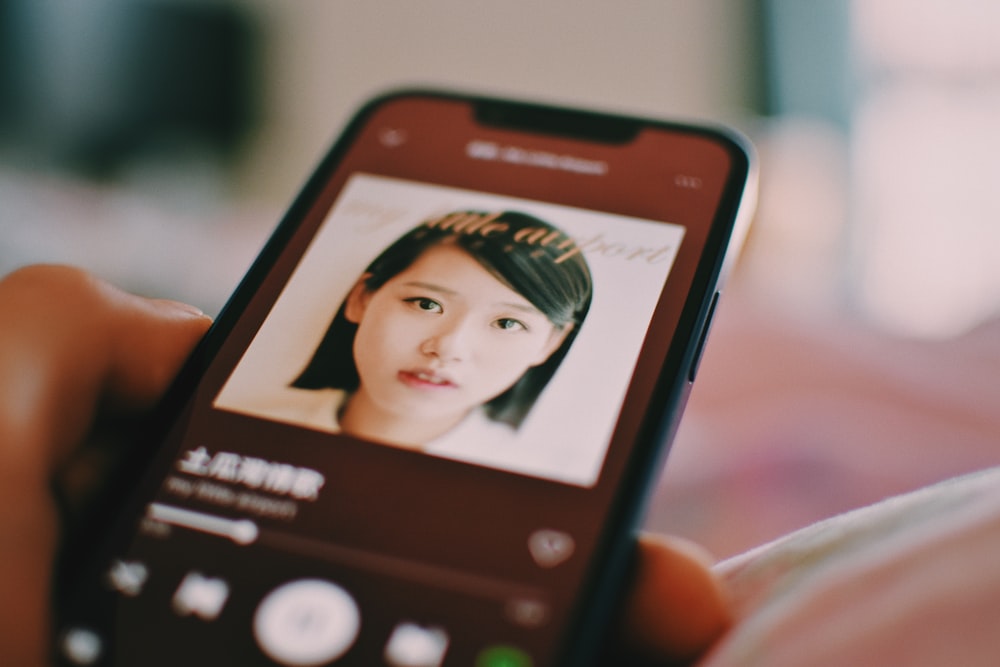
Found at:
<point>312,408</point>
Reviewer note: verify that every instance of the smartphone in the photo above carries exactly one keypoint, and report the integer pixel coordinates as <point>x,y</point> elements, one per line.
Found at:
<point>422,431</point>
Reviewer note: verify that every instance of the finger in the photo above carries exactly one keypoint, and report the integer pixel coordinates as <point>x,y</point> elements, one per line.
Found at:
<point>67,334</point>
<point>68,342</point>
<point>676,608</point>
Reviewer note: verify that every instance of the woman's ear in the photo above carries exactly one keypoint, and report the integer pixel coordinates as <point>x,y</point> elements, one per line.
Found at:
<point>555,340</point>
<point>357,300</point>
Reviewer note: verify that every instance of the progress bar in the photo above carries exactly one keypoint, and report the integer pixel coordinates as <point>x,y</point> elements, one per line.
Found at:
<point>241,531</point>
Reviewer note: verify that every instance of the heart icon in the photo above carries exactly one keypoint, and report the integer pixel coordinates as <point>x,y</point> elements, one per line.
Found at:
<point>549,548</point>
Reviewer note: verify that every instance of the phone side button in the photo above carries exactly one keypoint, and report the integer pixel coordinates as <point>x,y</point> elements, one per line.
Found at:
<point>702,338</point>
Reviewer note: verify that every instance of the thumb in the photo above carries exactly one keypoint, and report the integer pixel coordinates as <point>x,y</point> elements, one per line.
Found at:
<point>676,607</point>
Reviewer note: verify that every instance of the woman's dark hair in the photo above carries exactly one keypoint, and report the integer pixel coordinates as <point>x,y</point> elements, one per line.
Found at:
<point>528,255</point>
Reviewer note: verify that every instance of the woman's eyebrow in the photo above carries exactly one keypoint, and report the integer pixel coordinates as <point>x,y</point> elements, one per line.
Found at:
<point>431,286</point>
<point>525,308</point>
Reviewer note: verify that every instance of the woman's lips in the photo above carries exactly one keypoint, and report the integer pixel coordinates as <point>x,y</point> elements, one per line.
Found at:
<point>422,379</point>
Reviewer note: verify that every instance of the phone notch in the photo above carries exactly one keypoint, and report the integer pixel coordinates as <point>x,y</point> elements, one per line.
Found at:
<point>551,121</point>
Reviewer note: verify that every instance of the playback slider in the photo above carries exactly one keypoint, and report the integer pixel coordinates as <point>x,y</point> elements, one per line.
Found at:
<point>241,531</point>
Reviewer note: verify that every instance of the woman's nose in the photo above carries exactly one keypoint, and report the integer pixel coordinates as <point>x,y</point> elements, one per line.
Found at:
<point>449,342</point>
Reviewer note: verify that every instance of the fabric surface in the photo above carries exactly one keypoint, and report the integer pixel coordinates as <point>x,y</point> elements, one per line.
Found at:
<point>913,580</point>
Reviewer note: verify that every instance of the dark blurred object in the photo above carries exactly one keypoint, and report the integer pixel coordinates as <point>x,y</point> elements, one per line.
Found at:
<point>93,85</point>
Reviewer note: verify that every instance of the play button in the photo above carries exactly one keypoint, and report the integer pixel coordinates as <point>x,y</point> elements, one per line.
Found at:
<point>306,623</point>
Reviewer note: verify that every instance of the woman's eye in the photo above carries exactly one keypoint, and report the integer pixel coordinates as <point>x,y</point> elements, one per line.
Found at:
<point>423,303</point>
<point>509,324</point>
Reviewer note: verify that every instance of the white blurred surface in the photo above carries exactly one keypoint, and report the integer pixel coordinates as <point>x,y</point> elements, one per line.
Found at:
<point>886,222</point>
<point>188,229</point>
<point>687,58</point>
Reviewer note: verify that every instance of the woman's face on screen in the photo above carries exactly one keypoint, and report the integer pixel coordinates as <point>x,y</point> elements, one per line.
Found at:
<point>442,337</point>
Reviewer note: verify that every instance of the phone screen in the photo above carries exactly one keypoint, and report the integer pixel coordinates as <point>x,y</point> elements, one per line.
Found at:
<point>425,414</point>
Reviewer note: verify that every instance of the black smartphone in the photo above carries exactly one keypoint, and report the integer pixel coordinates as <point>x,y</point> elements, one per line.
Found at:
<point>422,431</point>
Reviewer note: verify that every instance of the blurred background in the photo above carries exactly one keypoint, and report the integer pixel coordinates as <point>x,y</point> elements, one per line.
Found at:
<point>157,142</point>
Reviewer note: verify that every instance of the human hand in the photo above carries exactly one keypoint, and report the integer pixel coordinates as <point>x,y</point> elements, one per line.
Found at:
<point>75,351</point>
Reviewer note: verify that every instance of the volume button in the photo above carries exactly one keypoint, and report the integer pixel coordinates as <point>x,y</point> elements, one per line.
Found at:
<point>706,325</point>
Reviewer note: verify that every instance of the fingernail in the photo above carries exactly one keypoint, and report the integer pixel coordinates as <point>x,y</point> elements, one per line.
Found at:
<point>183,307</point>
